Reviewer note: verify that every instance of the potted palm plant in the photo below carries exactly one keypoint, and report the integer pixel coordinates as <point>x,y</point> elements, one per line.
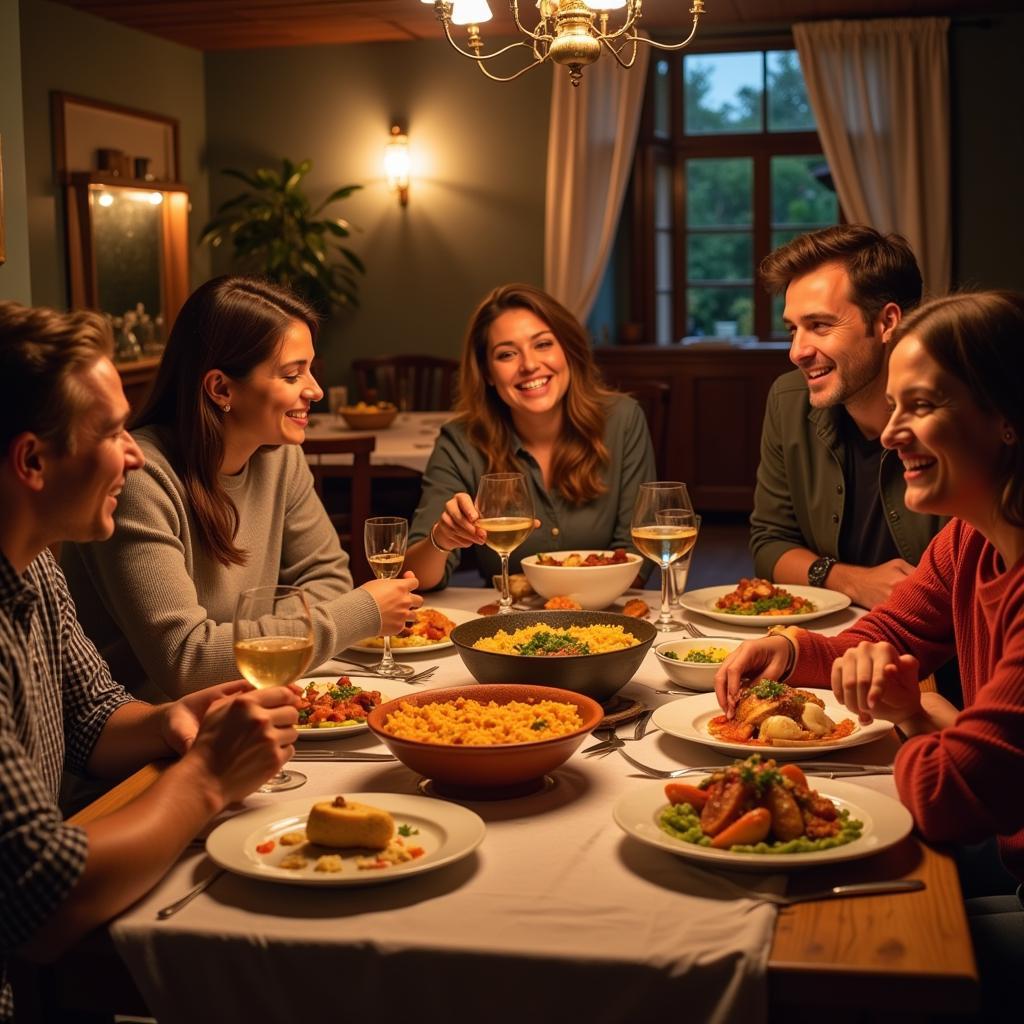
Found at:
<point>275,231</point>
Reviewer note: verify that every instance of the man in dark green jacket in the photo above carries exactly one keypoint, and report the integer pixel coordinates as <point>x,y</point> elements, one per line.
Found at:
<point>828,507</point>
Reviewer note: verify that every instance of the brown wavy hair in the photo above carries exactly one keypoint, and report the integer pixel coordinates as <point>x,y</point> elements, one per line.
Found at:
<point>229,324</point>
<point>882,268</point>
<point>978,337</point>
<point>42,353</point>
<point>582,455</point>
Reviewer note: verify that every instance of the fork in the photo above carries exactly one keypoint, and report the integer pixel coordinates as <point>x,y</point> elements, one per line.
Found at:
<point>419,677</point>
<point>822,768</point>
<point>895,885</point>
<point>696,633</point>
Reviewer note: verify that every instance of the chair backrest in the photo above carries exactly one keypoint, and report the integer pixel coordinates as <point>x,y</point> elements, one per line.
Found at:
<point>349,525</point>
<point>423,383</point>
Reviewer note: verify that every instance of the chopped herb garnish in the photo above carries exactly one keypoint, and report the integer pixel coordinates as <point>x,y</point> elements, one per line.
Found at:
<point>541,723</point>
<point>672,655</point>
<point>343,692</point>
<point>545,642</point>
<point>408,830</point>
<point>769,689</point>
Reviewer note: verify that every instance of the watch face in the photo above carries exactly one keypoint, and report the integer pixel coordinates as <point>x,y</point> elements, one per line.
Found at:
<point>819,570</point>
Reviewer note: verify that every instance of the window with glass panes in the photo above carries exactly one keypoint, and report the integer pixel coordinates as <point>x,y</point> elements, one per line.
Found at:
<point>728,167</point>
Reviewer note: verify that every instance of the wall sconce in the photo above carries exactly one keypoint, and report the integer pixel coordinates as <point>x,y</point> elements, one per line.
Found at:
<point>396,164</point>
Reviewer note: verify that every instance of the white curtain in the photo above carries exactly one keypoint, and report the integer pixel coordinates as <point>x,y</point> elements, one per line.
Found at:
<point>591,142</point>
<point>880,94</point>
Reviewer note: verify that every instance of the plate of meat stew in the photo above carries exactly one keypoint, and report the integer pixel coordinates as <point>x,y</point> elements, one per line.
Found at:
<point>701,720</point>
<point>755,602</point>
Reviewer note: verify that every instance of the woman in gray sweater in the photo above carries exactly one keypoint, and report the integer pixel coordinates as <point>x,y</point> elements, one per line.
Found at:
<point>225,502</point>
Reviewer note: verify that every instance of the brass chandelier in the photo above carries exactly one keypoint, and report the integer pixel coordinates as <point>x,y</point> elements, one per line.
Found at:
<point>569,32</point>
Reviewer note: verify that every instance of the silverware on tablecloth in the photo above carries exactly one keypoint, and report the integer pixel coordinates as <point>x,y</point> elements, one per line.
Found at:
<point>640,730</point>
<point>696,633</point>
<point>836,892</point>
<point>172,908</point>
<point>419,677</point>
<point>826,769</point>
<point>340,755</point>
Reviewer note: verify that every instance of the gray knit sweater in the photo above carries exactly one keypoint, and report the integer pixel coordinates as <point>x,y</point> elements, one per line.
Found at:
<point>159,608</point>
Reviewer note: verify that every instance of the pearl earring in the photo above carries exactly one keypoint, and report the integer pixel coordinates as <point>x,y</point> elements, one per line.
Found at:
<point>227,407</point>
<point>1008,436</point>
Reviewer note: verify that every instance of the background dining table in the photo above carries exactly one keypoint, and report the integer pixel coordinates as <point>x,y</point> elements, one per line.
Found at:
<point>406,443</point>
<point>558,913</point>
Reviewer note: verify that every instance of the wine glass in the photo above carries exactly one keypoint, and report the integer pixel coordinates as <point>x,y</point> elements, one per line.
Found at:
<point>680,570</point>
<point>664,528</point>
<point>506,516</point>
<point>273,633</point>
<point>385,538</point>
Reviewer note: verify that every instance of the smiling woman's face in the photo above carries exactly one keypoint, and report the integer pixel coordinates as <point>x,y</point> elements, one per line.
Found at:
<point>950,447</point>
<point>271,405</point>
<point>526,363</point>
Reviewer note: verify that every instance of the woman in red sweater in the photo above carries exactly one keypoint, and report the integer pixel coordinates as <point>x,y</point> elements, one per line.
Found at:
<point>955,378</point>
<point>956,372</point>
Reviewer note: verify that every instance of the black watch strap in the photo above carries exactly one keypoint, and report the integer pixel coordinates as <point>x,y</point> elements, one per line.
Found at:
<point>818,570</point>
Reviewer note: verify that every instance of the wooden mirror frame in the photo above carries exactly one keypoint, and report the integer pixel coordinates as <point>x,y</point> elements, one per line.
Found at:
<point>107,125</point>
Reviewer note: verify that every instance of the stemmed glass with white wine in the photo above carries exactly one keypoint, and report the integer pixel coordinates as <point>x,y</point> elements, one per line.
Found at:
<point>664,529</point>
<point>385,538</point>
<point>506,516</point>
<point>273,633</point>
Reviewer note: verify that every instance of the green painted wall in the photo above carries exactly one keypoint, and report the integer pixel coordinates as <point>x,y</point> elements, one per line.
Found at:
<point>988,152</point>
<point>476,209</point>
<point>15,281</point>
<point>68,51</point>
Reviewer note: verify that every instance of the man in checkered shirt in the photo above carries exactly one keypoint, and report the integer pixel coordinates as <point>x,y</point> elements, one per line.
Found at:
<point>64,453</point>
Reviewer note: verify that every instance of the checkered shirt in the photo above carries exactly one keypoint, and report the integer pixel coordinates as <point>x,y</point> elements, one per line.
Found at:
<point>56,695</point>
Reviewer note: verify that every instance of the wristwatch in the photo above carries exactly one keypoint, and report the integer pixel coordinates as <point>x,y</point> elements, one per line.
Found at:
<point>819,569</point>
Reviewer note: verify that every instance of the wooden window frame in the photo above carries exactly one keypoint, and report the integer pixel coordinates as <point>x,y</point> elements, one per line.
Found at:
<point>675,150</point>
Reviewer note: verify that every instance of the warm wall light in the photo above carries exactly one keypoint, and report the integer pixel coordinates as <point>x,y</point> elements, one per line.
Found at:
<point>396,164</point>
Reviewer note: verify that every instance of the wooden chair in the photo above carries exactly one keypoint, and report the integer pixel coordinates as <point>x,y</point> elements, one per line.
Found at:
<point>423,383</point>
<point>349,525</point>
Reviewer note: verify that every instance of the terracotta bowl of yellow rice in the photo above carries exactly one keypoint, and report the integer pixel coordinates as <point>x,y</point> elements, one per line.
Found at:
<point>490,648</point>
<point>485,740</point>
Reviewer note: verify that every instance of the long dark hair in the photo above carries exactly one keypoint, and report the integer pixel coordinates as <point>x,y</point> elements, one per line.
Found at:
<point>978,337</point>
<point>582,455</point>
<point>229,324</point>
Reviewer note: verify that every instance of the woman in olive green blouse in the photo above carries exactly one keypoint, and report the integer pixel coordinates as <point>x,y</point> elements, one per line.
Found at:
<point>531,401</point>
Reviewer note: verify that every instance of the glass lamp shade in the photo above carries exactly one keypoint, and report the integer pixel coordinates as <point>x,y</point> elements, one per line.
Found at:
<point>470,12</point>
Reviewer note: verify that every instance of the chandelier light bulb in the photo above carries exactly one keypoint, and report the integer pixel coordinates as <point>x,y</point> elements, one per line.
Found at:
<point>471,12</point>
<point>606,5</point>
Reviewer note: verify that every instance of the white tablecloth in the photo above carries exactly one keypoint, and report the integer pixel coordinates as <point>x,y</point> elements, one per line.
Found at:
<point>558,915</point>
<point>408,442</point>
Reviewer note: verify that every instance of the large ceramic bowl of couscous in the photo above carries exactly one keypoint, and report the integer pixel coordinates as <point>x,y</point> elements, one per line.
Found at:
<point>593,653</point>
<point>475,739</point>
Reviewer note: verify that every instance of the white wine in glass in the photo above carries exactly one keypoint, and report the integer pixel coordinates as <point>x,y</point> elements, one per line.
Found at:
<point>664,530</point>
<point>506,515</point>
<point>385,538</point>
<point>273,637</point>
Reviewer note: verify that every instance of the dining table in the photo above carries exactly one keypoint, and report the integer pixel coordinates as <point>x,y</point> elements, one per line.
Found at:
<point>402,448</point>
<point>558,912</point>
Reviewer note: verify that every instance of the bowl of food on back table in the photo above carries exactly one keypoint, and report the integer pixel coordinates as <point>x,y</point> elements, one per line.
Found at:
<point>366,416</point>
<point>593,653</point>
<point>493,740</point>
<point>591,578</point>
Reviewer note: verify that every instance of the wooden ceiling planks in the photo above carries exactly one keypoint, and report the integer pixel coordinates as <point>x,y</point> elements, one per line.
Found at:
<point>250,24</point>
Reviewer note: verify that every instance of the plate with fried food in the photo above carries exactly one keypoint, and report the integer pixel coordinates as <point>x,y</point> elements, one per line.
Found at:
<point>756,815</point>
<point>769,716</point>
<point>757,602</point>
<point>430,631</point>
<point>354,839</point>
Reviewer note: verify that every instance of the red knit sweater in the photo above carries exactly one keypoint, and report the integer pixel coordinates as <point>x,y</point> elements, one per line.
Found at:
<point>963,783</point>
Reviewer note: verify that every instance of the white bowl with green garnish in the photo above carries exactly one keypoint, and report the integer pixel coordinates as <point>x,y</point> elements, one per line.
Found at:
<point>693,663</point>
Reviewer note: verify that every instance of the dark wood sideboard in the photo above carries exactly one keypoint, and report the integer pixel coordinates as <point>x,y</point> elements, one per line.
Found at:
<point>704,406</point>
<point>137,378</point>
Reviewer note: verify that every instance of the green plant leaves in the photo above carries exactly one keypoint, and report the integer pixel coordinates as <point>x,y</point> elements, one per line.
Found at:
<point>273,231</point>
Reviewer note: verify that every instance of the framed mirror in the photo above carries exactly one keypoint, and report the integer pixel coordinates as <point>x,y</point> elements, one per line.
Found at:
<point>126,214</point>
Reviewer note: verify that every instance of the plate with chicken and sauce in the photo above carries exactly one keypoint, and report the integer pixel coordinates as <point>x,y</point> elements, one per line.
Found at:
<point>757,602</point>
<point>770,717</point>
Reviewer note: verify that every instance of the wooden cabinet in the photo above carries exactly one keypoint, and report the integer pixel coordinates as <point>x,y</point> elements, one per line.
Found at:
<point>137,378</point>
<point>704,407</point>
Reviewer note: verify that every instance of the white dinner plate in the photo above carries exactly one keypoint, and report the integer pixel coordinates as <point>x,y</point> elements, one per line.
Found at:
<point>886,822</point>
<point>457,615</point>
<point>446,831</point>
<point>826,602</point>
<point>688,717</point>
<point>388,691</point>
